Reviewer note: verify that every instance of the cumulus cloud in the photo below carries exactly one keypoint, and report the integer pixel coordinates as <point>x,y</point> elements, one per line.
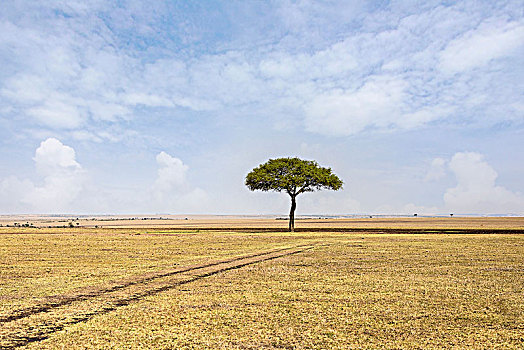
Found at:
<point>52,156</point>
<point>62,180</point>
<point>63,187</point>
<point>476,190</point>
<point>74,69</point>
<point>171,173</point>
<point>63,177</point>
<point>172,191</point>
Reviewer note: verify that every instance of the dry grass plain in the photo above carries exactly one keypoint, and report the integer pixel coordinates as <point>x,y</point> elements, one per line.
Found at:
<point>185,288</point>
<point>240,222</point>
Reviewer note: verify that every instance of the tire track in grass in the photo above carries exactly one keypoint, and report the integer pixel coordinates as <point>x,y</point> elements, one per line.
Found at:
<point>87,293</point>
<point>27,327</point>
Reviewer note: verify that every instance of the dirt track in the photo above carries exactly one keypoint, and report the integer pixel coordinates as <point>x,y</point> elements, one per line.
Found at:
<point>38,322</point>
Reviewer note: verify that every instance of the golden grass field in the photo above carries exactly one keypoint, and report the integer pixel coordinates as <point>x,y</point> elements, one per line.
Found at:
<point>184,287</point>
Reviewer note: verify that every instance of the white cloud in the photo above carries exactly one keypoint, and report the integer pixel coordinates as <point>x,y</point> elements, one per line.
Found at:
<point>63,187</point>
<point>65,79</point>
<point>107,111</point>
<point>62,181</point>
<point>476,190</point>
<point>147,100</point>
<point>57,114</point>
<point>332,62</point>
<point>378,103</point>
<point>52,156</point>
<point>26,88</point>
<point>171,191</point>
<point>83,135</point>
<point>331,69</point>
<point>491,40</point>
<point>359,79</point>
<point>64,178</point>
<point>171,173</point>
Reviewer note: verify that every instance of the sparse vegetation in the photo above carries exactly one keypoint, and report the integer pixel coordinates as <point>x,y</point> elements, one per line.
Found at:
<point>350,290</point>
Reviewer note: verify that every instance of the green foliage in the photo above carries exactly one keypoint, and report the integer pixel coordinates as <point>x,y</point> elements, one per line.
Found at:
<point>292,175</point>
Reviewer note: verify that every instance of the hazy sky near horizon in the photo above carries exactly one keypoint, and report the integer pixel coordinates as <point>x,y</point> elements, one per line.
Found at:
<point>164,107</point>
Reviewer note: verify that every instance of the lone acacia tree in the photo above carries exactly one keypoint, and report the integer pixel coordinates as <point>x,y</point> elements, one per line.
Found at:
<point>294,176</point>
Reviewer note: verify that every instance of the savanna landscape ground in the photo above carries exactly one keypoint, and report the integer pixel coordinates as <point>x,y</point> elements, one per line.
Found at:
<point>245,283</point>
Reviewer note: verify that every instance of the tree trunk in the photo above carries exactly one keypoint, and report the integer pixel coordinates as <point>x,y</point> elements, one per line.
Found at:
<point>292,214</point>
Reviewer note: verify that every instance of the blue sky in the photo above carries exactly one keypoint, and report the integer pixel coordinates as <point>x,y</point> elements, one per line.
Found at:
<point>163,107</point>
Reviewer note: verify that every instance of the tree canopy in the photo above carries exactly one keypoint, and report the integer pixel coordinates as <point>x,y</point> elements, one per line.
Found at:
<point>294,176</point>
